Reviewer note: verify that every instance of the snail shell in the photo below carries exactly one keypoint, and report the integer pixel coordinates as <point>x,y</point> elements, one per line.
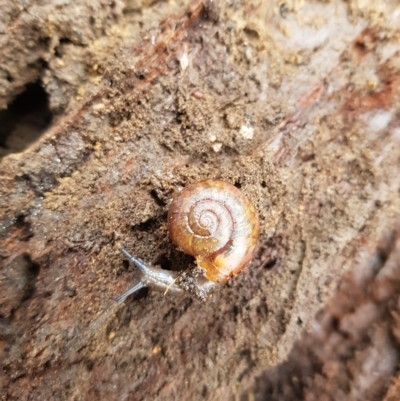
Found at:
<point>214,222</point>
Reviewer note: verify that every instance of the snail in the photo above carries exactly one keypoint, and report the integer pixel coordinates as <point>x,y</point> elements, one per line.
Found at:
<point>214,222</point>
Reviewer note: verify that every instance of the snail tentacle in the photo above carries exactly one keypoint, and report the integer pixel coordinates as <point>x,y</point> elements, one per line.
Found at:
<point>151,276</point>
<point>131,290</point>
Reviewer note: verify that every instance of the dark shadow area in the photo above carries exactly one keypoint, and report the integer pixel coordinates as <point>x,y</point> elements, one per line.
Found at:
<point>25,120</point>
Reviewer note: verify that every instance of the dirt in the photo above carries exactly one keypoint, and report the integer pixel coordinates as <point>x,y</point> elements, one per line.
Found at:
<point>351,351</point>
<point>296,104</point>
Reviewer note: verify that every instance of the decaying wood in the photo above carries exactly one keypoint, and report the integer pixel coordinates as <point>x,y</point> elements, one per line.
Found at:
<point>297,104</point>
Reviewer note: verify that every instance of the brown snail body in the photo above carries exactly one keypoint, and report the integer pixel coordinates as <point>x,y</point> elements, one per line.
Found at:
<point>214,222</point>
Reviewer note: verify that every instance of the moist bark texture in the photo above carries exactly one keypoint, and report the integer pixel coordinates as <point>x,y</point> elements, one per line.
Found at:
<point>296,103</point>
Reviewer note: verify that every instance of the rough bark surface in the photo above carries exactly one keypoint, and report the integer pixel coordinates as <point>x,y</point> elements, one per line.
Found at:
<point>352,350</point>
<point>296,103</point>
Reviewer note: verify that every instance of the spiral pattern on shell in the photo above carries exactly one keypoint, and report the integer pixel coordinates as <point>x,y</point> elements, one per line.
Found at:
<point>214,222</point>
